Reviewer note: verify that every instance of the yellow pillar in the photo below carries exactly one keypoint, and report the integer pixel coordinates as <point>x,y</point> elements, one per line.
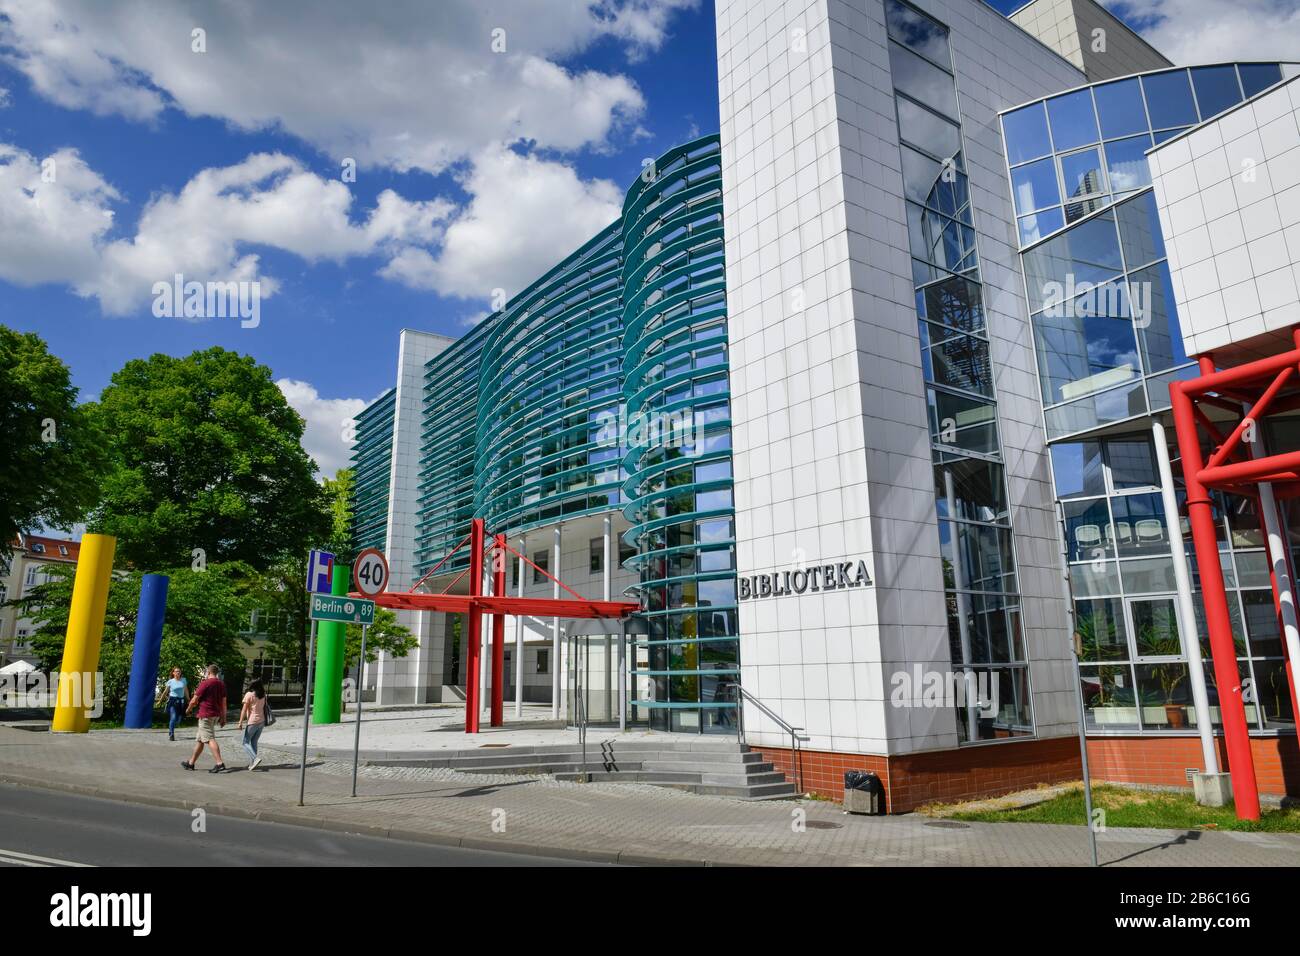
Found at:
<point>85,631</point>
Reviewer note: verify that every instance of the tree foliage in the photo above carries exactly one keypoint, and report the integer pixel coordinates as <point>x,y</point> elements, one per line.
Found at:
<point>206,454</point>
<point>206,610</point>
<point>53,456</point>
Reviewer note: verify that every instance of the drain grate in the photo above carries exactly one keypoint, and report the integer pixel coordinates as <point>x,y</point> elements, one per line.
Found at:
<point>486,746</point>
<point>822,825</point>
<point>948,825</point>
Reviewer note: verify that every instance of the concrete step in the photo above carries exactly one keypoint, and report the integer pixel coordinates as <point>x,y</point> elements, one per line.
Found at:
<point>757,765</point>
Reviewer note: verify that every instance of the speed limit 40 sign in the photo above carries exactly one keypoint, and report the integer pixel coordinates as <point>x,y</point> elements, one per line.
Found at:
<point>370,572</point>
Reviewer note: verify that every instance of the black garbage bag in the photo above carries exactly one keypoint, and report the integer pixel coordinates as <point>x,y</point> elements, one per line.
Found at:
<point>863,780</point>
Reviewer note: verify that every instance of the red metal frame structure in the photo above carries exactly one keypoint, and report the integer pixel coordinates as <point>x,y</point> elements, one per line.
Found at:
<point>1257,387</point>
<point>498,604</point>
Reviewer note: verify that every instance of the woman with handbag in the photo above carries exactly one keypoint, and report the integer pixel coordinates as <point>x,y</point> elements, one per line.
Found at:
<point>253,717</point>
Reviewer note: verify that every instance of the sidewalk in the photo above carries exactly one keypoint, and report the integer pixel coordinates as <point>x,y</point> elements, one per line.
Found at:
<point>609,822</point>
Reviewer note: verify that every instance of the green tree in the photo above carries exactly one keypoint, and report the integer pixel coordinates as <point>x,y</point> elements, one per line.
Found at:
<point>338,495</point>
<point>206,610</point>
<point>206,454</point>
<point>384,635</point>
<point>53,456</point>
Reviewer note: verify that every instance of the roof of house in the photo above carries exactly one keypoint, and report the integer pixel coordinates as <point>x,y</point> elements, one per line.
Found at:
<point>45,548</point>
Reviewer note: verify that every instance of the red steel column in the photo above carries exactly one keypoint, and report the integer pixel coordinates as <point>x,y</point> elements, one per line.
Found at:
<point>474,635</point>
<point>1227,677</point>
<point>499,631</point>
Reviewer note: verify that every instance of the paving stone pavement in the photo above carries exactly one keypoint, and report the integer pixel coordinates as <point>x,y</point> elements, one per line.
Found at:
<point>614,822</point>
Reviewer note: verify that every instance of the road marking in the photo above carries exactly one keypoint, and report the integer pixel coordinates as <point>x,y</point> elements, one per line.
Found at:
<point>29,859</point>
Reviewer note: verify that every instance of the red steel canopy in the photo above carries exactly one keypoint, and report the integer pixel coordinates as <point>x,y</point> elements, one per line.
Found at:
<point>498,604</point>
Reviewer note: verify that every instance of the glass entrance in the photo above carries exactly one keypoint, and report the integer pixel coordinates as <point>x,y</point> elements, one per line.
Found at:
<point>591,676</point>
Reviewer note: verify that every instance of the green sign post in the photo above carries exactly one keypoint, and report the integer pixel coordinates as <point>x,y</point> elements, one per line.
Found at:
<point>347,610</point>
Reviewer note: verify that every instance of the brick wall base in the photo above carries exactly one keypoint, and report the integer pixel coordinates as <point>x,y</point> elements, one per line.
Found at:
<point>943,776</point>
<point>1163,761</point>
<point>970,773</point>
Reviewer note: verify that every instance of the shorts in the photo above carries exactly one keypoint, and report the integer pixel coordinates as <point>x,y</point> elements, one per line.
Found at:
<point>207,729</point>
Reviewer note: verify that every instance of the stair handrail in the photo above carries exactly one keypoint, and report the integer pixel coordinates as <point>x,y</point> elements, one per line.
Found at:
<point>797,734</point>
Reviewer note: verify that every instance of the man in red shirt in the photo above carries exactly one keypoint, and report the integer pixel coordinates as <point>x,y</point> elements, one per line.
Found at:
<point>210,698</point>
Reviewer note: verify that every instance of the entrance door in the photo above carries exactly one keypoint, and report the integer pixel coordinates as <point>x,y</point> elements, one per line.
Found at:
<point>591,676</point>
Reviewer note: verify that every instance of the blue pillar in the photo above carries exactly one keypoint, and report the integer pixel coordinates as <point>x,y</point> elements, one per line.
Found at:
<point>144,657</point>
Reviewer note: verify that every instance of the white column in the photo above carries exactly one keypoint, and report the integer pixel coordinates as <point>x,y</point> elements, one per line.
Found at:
<point>1186,608</point>
<point>556,682</point>
<point>622,675</point>
<point>485,644</point>
<point>609,586</point>
<point>1277,556</point>
<point>519,633</point>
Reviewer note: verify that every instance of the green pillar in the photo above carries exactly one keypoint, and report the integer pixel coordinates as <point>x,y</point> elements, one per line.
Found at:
<point>331,642</point>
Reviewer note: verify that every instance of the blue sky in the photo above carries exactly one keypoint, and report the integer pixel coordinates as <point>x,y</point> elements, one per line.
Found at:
<point>482,157</point>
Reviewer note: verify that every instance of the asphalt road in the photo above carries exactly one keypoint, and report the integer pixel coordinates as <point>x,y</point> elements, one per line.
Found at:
<point>45,828</point>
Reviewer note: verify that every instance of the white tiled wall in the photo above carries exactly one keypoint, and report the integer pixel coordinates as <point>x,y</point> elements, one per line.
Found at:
<point>406,680</point>
<point>1229,200</point>
<point>831,445</point>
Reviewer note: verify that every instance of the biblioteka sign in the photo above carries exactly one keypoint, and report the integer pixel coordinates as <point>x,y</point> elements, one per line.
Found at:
<point>819,577</point>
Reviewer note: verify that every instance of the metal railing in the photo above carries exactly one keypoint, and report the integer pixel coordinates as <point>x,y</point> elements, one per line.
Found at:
<point>797,735</point>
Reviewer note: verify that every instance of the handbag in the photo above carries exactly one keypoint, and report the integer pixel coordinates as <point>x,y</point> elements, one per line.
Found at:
<point>268,716</point>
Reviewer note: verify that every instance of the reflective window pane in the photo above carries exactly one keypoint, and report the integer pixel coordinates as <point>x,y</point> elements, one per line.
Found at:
<point>1088,535</point>
<point>1089,253</point>
<point>1147,575</point>
<point>962,422</point>
<point>928,131</point>
<point>910,26</point>
<point>1165,693</point>
<point>1109,699</point>
<point>1025,132</point>
<point>1117,404</point>
<point>1261,623</point>
<point>1094,579</point>
<point>1140,526</point>
<point>952,301</point>
<point>1126,163</point>
<point>1072,119</point>
<point>1119,109</point>
<point>1086,345</point>
<point>1216,89</point>
<point>1161,135</point>
<point>1082,175</point>
<point>956,360</point>
<point>970,488</point>
<point>1155,627</point>
<point>1034,186</point>
<point>1151,297</point>
<point>1077,468</point>
<point>1273,692</point>
<point>1078,209</point>
<point>1132,465</point>
<point>922,81</point>
<point>1039,225</point>
<point>1103,634</point>
<point>1256,77</point>
<point>945,242</point>
<point>937,185</point>
<point>1139,230</point>
<point>1169,99</point>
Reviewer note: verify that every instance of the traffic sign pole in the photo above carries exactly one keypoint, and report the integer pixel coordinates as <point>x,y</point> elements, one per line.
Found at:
<point>306,714</point>
<point>356,739</point>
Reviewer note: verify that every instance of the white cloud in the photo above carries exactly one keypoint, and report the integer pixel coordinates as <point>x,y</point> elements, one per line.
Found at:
<point>1189,32</point>
<point>58,231</point>
<point>4,97</point>
<point>328,420</point>
<point>402,83</point>
<point>53,217</point>
<point>493,243</point>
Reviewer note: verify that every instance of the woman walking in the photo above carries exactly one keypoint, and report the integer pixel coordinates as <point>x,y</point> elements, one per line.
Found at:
<point>175,691</point>
<point>252,717</point>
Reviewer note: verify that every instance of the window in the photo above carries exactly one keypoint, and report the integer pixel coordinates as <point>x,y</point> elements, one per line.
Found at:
<point>1156,315</point>
<point>1025,132</point>
<point>1120,109</point>
<point>924,35</point>
<point>596,549</point>
<point>1034,186</point>
<point>1073,121</point>
<point>32,570</point>
<point>543,660</point>
<point>1126,162</point>
<point>1216,89</point>
<point>1256,77</point>
<point>922,81</point>
<point>542,560</point>
<point>1082,174</point>
<point>1169,99</point>
<point>1089,252</point>
<point>928,131</point>
<point>63,550</point>
<point>38,548</point>
<point>1040,225</point>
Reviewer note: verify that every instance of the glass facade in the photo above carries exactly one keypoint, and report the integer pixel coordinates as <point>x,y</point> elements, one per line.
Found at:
<point>372,460</point>
<point>678,487</point>
<point>975,538</point>
<point>603,386</point>
<point>1108,343</point>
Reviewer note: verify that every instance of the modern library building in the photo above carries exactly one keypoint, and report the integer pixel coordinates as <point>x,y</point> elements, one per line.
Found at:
<point>909,410</point>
